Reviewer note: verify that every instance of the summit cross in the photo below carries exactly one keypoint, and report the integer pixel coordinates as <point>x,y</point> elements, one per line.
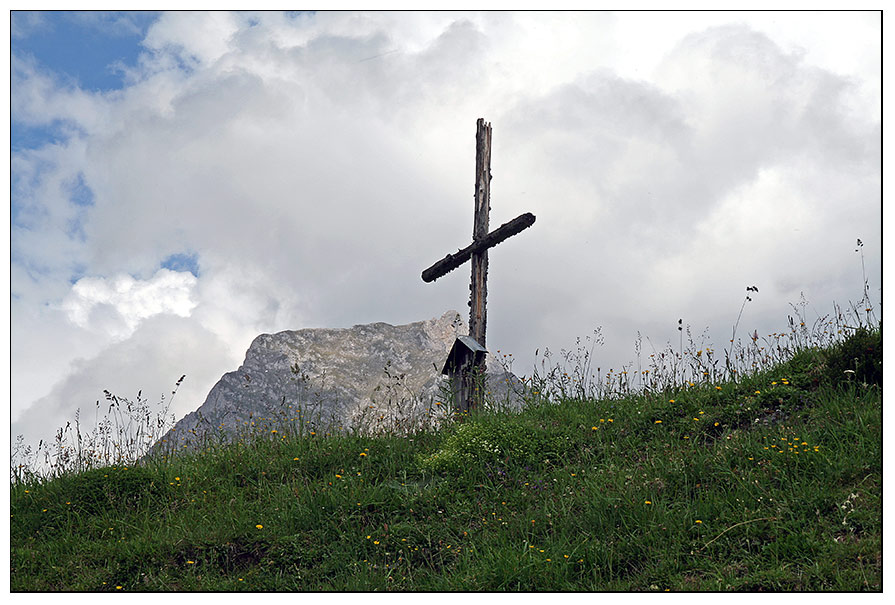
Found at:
<point>477,252</point>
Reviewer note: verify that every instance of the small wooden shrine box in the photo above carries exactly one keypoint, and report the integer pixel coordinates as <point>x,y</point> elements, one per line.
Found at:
<point>464,362</point>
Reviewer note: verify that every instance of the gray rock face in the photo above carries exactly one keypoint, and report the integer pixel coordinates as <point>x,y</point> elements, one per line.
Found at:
<point>368,378</point>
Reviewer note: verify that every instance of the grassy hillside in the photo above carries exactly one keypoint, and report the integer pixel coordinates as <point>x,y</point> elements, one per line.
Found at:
<point>772,481</point>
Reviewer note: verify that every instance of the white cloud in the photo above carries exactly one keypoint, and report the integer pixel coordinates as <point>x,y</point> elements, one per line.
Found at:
<point>117,305</point>
<point>162,349</point>
<point>200,36</point>
<point>42,98</point>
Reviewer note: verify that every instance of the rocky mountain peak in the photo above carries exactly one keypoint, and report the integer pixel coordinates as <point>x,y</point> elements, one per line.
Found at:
<point>367,377</point>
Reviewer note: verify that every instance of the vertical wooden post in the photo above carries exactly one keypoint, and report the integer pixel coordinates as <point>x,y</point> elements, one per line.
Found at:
<point>478,287</point>
<point>475,373</point>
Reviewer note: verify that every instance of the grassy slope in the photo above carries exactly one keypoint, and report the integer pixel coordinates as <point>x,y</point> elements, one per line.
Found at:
<point>772,483</point>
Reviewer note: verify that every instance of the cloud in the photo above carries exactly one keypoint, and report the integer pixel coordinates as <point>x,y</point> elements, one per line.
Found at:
<point>119,304</point>
<point>44,98</point>
<point>194,36</point>
<point>159,352</point>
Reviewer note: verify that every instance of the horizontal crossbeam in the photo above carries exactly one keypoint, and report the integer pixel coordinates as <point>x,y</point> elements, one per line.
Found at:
<point>452,261</point>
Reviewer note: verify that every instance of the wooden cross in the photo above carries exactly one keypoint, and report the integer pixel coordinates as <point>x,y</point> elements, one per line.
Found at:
<point>477,252</point>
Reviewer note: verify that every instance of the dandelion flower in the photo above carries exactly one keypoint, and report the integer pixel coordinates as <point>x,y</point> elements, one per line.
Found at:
<point>259,526</point>
<point>647,502</point>
<point>658,422</point>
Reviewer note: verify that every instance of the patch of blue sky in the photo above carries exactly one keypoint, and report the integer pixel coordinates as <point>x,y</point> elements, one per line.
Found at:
<point>183,262</point>
<point>79,193</point>
<point>81,196</point>
<point>75,228</point>
<point>85,47</point>
<point>27,136</point>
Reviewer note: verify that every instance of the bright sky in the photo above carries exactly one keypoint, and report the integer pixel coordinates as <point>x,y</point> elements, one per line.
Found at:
<point>182,183</point>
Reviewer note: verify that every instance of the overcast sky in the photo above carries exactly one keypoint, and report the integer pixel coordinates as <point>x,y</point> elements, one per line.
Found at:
<point>182,183</point>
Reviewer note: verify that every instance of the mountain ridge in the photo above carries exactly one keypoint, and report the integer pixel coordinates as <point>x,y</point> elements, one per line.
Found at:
<point>337,379</point>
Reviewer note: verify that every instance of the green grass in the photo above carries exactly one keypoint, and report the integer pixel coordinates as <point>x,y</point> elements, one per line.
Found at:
<point>769,482</point>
